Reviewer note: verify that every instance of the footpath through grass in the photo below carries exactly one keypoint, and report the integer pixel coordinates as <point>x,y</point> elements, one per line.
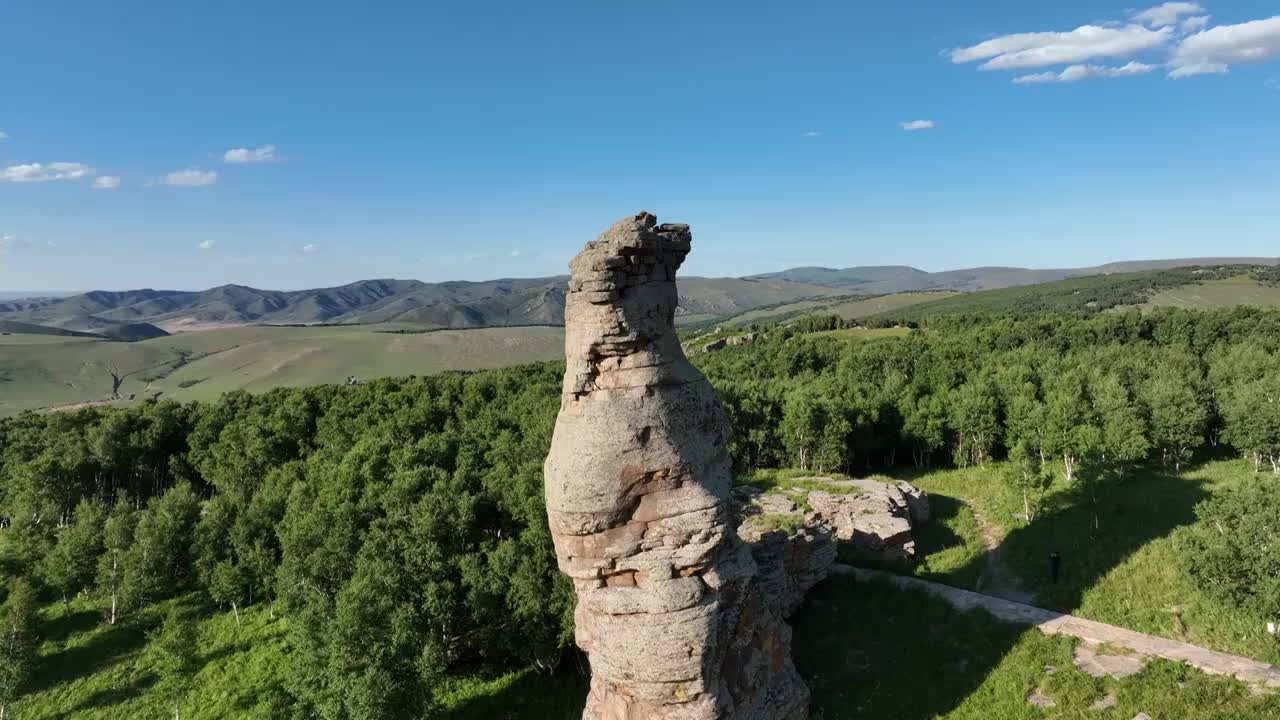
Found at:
<point>1128,573</point>
<point>870,652</point>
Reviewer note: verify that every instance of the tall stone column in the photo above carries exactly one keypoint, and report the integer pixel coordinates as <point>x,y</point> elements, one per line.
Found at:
<point>637,491</point>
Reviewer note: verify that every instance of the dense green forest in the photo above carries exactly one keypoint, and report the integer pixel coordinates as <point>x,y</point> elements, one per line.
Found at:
<point>399,524</point>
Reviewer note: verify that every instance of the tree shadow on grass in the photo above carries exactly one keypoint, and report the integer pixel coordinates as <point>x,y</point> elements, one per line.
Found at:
<point>556,696</point>
<point>872,651</point>
<point>104,649</point>
<point>62,626</point>
<point>109,697</point>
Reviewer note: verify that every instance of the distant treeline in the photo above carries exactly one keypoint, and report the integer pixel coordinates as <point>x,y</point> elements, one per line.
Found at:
<point>399,524</point>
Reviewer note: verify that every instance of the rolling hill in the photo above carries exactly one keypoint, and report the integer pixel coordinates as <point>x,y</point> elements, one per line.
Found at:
<point>41,371</point>
<point>1219,286</point>
<point>880,280</point>
<point>531,301</point>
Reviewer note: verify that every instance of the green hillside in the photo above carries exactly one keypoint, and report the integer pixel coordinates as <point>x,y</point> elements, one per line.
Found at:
<point>890,279</point>
<point>506,302</point>
<point>1239,290</point>
<point>1199,287</point>
<point>38,372</point>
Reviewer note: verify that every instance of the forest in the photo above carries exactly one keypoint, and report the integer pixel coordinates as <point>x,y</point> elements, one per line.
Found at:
<point>399,524</point>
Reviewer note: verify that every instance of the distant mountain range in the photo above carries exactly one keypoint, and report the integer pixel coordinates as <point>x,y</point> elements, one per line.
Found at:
<point>530,301</point>
<point>887,279</point>
<point>535,301</point>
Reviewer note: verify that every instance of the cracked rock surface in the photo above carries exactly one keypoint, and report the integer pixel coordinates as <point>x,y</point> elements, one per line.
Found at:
<point>681,619</point>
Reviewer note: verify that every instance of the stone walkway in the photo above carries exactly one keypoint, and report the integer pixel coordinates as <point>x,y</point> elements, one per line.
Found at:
<point>1056,623</point>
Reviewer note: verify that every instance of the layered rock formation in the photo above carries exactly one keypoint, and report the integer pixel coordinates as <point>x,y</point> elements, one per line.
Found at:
<point>874,516</point>
<point>680,619</point>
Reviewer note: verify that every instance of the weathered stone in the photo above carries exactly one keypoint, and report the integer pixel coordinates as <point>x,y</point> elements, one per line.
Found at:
<point>1105,703</point>
<point>681,619</point>
<point>871,515</point>
<point>1092,660</point>
<point>877,519</point>
<point>1040,700</point>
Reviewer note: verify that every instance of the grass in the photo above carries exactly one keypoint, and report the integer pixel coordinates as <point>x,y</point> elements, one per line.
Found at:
<point>1128,574</point>
<point>1240,290</point>
<point>203,365</point>
<point>88,669</point>
<point>865,334</point>
<point>867,650</point>
<point>849,307</point>
<point>91,671</point>
<point>871,651</point>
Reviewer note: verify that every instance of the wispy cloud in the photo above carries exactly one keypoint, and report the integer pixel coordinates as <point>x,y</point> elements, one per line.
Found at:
<point>1041,49</point>
<point>1273,83</point>
<point>264,154</point>
<point>1075,73</point>
<point>811,133</point>
<point>4,135</point>
<point>191,177</point>
<point>207,244</point>
<point>106,182</point>
<point>40,172</point>
<point>12,243</point>
<point>1167,14</point>
<point>1193,24</point>
<point>310,248</point>
<point>1216,49</point>
<point>1178,31</point>
<point>912,125</point>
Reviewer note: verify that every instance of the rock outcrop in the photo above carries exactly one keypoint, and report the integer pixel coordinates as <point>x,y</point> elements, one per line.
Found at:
<point>874,516</point>
<point>681,619</point>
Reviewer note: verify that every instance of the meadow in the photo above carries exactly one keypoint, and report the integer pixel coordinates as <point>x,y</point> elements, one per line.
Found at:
<point>40,371</point>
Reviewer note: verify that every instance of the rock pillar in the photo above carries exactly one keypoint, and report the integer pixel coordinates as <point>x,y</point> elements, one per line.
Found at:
<point>637,491</point>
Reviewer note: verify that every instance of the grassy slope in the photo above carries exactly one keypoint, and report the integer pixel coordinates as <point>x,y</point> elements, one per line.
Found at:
<point>868,651</point>
<point>43,374</point>
<point>1241,290</point>
<point>1214,288</point>
<point>1129,574</point>
<point>849,308</point>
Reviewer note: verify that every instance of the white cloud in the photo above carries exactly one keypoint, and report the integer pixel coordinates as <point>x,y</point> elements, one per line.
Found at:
<point>207,244</point>
<point>106,182</point>
<point>1039,49</point>
<point>1193,24</point>
<point>1167,14</point>
<point>4,135</point>
<point>811,133</point>
<point>266,153</point>
<point>1074,73</point>
<point>514,253</point>
<point>1273,83</point>
<point>1198,68</point>
<point>10,243</point>
<point>917,125</point>
<point>38,172</point>
<point>1216,49</point>
<point>310,248</point>
<point>190,177</point>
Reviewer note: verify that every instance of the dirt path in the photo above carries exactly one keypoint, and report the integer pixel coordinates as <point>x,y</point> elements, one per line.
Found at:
<point>1049,622</point>
<point>997,580</point>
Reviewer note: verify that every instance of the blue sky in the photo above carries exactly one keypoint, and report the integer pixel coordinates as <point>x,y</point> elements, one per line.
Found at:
<point>185,145</point>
